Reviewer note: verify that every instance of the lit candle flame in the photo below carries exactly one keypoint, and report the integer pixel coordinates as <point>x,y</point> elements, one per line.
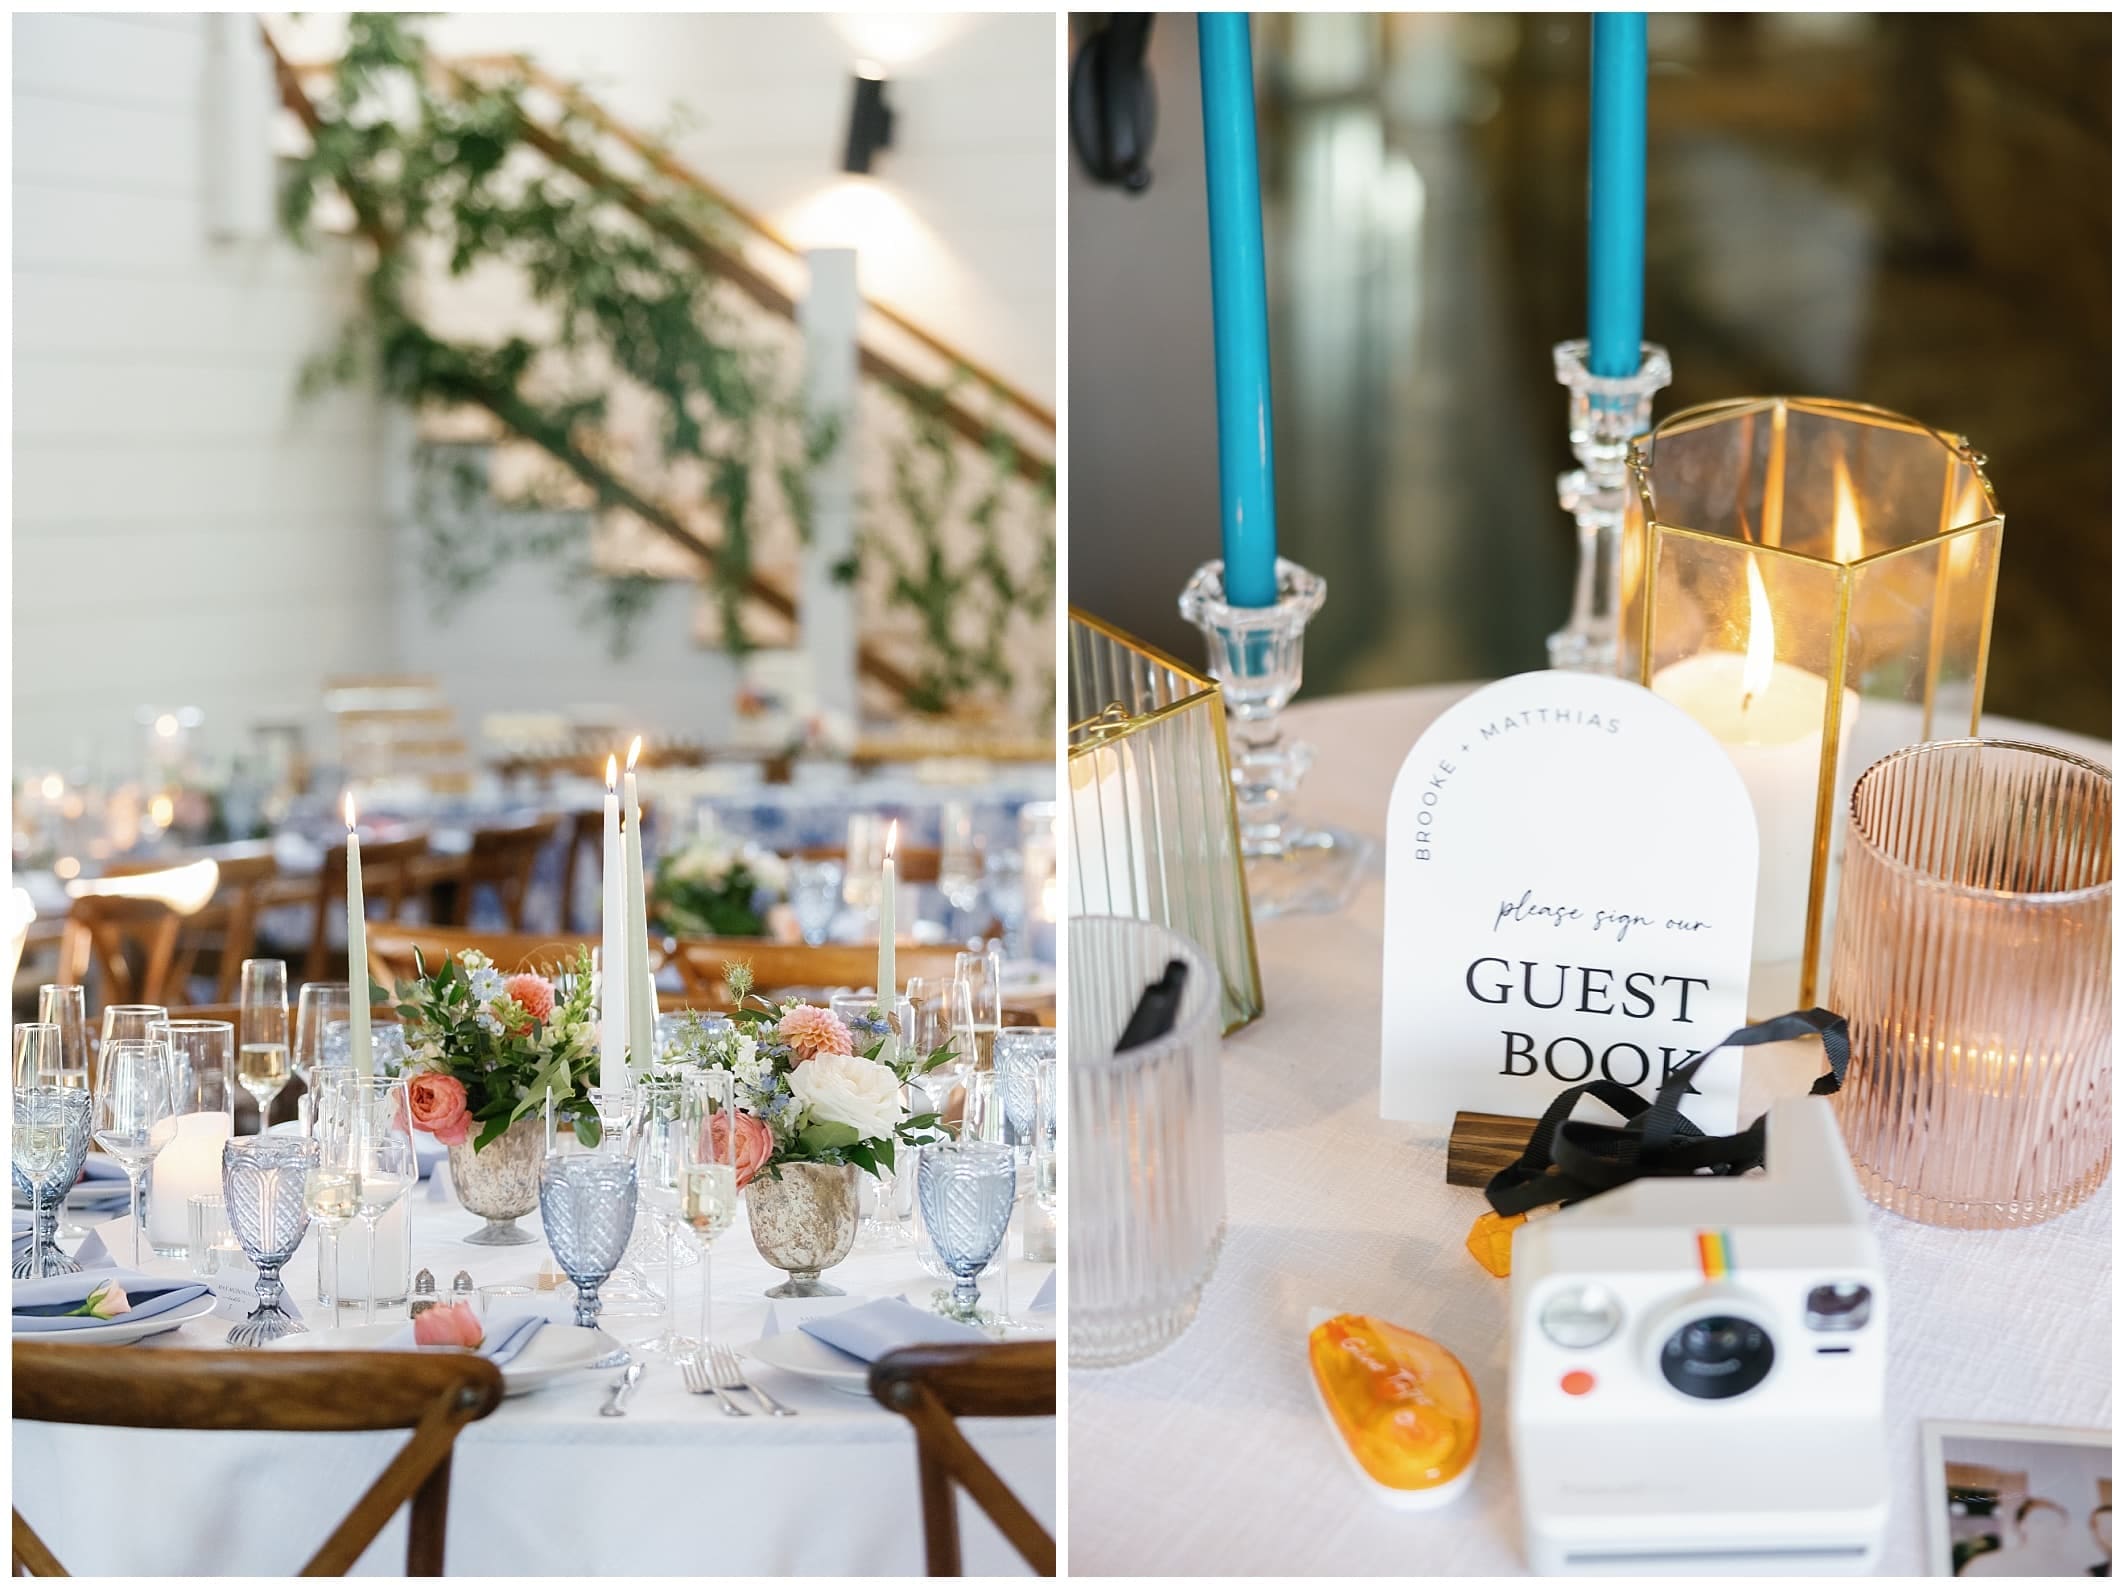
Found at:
<point>892,839</point>
<point>634,752</point>
<point>1846,543</point>
<point>350,810</point>
<point>611,773</point>
<point>1762,639</point>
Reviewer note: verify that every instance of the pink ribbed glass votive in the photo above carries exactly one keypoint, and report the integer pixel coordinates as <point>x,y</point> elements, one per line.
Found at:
<point>1972,960</point>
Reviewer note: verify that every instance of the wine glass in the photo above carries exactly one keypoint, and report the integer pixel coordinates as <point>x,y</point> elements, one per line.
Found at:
<point>262,1058</point>
<point>321,1014</point>
<point>660,1161</point>
<point>979,1012</point>
<point>263,1182</point>
<point>815,896</point>
<point>988,1119</point>
<point>708,1202</point>
<point>365,1133</point>
<point>587,1201</point>
<point>51,1137</point>
<point>968,1188</point>
<point>135,1113</point>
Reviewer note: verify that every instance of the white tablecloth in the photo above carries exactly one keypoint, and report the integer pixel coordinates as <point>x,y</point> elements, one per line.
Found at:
<point>1213,1457</point>
<point>545,1485</point>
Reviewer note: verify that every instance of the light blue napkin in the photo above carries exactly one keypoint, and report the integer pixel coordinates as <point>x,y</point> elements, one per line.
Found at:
<point>102,1186</point>
<point>1044,1299</point>
<point>505,1342</point>
<point>40,1305</point>
<point>867,1333</point>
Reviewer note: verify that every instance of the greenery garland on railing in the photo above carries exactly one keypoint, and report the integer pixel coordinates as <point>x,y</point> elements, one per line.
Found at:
<point>425,160</point>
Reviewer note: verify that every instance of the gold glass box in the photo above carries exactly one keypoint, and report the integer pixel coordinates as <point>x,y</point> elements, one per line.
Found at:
<point>1813,582</point>
<point>1152,829</point>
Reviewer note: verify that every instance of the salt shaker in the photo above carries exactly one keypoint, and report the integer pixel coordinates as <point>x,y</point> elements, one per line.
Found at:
<point>461,1288</point>
<point>423,1297</point>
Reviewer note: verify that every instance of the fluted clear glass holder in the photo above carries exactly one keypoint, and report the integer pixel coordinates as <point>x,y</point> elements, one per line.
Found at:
<point>1972,960</point>
<point>1606,413</point>
<point>1257,656</point>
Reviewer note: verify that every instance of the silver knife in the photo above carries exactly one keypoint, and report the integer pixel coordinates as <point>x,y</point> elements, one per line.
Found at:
<point>615,1404</point>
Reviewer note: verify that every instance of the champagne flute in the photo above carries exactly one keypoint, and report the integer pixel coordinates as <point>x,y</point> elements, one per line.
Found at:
<point>981,1015</point>
<point>660,1158</point>
<point>959,858</point>
<point>862,879</point>
<point>1047,1105</point>
<point>65,1005</point>
<point>321,1014</point>
<point>262,1057</point>
<point>132,1023</point>
<point>40,1055</point>
<point>365,1137</point>
<point>134,1114</point>
<point>708,1201</point>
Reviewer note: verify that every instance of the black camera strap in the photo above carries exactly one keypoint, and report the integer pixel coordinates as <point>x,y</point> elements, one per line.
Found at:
<point>1567,1160</point>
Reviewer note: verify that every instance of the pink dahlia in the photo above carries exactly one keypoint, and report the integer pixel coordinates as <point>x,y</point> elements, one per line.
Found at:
<point>810,1031</point>
<point>533,992</point>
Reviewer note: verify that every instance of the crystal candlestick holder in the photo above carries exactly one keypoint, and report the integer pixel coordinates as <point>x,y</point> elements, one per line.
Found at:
<point>1257,654</point>
<point>629,1293</point>
<point>1607,414</point>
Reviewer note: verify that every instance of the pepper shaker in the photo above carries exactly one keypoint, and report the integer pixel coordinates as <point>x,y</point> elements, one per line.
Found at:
<point>423,1297</point>
<point>461,1288</point>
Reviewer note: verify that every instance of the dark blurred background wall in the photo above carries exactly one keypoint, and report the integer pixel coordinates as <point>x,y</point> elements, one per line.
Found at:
<point>1910,210</point>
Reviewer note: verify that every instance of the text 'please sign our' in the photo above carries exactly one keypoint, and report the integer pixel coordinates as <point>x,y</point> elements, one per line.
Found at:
<point>1570,878</point>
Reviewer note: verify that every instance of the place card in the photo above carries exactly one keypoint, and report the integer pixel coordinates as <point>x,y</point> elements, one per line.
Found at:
<point>1570,894</point>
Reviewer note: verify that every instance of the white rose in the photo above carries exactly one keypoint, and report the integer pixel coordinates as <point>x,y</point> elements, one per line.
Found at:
<point>845,1089</point>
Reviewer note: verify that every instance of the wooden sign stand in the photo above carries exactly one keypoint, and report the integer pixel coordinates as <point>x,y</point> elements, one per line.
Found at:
<point>1483,1144</point>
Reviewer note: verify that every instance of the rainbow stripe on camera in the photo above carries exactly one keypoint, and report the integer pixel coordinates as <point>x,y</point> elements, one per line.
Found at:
<point>1714,1254</point>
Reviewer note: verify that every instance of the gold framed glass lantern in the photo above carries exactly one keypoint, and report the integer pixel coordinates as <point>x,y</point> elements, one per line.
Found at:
<point>1153,833</point>
<point>1812,581</point>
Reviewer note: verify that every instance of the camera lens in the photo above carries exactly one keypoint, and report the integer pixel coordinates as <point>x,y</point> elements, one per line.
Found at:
<point>1717,1357</point>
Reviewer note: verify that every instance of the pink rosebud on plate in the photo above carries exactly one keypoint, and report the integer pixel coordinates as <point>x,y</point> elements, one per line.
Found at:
<point>107,1301</point>
<point>448,1324</point>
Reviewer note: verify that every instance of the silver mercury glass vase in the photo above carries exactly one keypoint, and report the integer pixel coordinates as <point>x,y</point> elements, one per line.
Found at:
<point>803,1222</point>
<point>500,1181</point>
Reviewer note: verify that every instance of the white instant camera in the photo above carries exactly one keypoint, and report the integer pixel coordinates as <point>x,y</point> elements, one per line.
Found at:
<point>1698,1370</point>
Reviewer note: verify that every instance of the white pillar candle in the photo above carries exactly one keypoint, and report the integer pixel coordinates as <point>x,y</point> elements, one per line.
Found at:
<point>612,956</point>
<point>888,970</point>
<point>390,1272</point>
<point>357,956</point>
<point>641,986</point>
<point>189,1166</point>
<point>1768,716</point>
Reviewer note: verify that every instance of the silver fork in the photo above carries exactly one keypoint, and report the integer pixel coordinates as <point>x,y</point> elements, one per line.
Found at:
<point>728,1371</point>
<point>702,1383</point>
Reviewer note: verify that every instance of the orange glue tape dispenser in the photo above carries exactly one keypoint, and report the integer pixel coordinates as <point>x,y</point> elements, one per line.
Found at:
<point>1403,1409</point>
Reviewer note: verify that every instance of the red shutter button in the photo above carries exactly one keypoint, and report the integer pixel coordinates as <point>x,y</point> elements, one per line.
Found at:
<point>1577,1382</point>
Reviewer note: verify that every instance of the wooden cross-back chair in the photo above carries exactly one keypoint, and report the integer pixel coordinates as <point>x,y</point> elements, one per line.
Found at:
<point>932,1387</point>
<point>433,1395</point>
<point>132,942</point>
<point>391,951</point>
<point>704,964</point>
<point>229,922</point>
<point>586,835</point>
<point>503,857</point>
<point>386,875</point>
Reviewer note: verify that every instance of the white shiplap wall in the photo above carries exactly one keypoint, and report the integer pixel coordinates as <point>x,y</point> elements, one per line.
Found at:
<point>187,531</point>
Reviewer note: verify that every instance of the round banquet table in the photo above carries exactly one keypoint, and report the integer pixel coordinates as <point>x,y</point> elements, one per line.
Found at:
<point>544,1485</point>
<point>1213,1456</point>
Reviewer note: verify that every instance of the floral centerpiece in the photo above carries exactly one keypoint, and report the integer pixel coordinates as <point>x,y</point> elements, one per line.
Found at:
<point>483,1051</point>
<point>718,887</point>
<point>816,1101</point>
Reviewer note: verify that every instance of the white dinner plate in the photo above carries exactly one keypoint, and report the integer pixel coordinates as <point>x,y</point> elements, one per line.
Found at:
<point>118,1332</point>
<point>556,1351</point>
<point>799,1353</point>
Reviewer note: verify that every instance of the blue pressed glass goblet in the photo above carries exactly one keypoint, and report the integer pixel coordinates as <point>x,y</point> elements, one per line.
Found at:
<point>50,1142</point>
<point>262,1182</point>
<point>967,1190</point>
<point>587,1201</point>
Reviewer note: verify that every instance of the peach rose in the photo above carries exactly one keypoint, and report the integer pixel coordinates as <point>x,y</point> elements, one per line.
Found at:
<point>810,1031</point>
<point>753,1146</point>
<point>448,1324</point>
<point>533,992</point>
<point>439,1107</point>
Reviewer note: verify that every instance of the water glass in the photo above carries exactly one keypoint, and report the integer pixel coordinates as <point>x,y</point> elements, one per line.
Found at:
<point>1020,1051</point>
<point>135,1111</point>
<point>1146,1143</point>
<point>262,1054</point>
<point>50,1140</point>
<point>263,1183</point>
<point>587,1201</point>
<point>815,896</point>
<point>207,1234</point>
<point>1972,960</point>
<point>132,1023</point>
<point>321,1028</point>
<point>967,1189</point>
<point>202,1057</point>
